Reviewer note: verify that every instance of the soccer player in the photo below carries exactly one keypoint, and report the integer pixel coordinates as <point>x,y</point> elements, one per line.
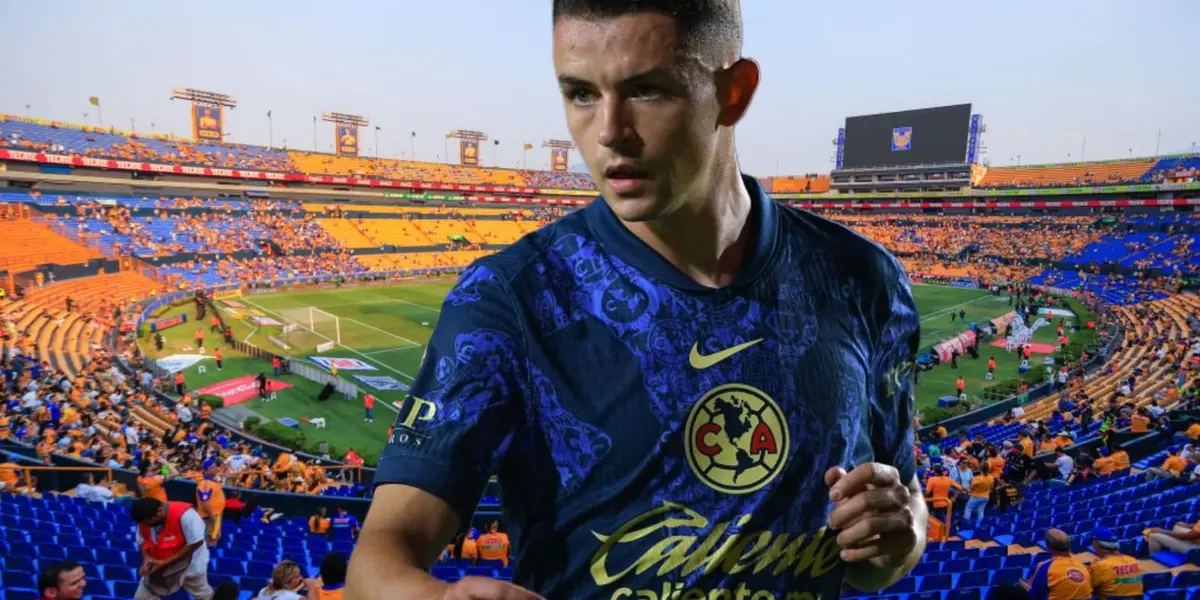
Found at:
<point>686,389</point>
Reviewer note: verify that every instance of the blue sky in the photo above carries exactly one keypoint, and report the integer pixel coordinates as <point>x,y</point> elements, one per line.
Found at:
<point>1045,74</point>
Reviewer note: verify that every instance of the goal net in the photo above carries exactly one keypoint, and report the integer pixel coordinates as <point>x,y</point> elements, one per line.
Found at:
<point>311,320</point>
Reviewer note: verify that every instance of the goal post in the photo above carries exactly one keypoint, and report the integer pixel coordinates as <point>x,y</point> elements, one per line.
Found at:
<point>303,321</point>
<point>325,324</point>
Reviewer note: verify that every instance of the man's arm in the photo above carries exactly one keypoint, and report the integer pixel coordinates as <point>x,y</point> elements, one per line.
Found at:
<point>405,531</point>
<point>193,533</point>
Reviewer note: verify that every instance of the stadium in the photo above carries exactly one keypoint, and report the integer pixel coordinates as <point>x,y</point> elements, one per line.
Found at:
<point>181,314</point>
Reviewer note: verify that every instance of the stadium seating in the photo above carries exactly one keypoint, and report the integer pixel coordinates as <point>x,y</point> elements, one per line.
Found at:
<point>96,143</point>
<point>813,184</point>
<point>404,170</point>
<point>1097,173</point>
<point>25,244</point>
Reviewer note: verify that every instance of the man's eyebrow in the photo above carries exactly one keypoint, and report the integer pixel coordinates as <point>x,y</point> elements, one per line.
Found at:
<point>655,73</point>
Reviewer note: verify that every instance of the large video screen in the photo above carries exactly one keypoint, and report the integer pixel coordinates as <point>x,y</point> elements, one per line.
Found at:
<point>928,136</point>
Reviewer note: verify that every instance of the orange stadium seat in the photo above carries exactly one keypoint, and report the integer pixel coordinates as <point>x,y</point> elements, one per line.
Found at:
<point>801,184</point>
<point>1099,173</point>
<point>406,170</point>
<point>25,244</point>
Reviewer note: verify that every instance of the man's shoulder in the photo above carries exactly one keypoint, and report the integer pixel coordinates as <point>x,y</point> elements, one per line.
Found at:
<point>854,254</point>
<point>506,271</point>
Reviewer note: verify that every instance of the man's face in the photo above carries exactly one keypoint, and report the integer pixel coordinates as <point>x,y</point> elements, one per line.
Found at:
<point>70,585</point>
<point>642,111</point>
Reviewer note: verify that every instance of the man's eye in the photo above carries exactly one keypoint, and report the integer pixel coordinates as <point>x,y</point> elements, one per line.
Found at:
<point>581,96</point>
<point>646,92</point>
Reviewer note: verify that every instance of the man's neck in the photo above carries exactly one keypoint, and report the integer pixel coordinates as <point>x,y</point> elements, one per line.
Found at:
<point>707,238</point>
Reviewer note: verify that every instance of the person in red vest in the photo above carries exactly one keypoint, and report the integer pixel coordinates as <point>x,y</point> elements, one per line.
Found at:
<point>174,555</point>
<point>199,338</point>
<point>217,355</point>
<point>275,365</point>
<point>959,386</point>
<point>991,374</point>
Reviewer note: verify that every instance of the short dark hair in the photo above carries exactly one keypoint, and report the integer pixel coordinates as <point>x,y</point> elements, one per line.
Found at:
<point>333,568</point>
<point>143,509</point>
<point>708,25</point>
<point>48,578</point>
<point>226,591</point>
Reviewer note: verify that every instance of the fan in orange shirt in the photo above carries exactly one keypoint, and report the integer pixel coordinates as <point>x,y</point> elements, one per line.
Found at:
<point>150,485</point>
<point>494,545</point>
<point>319,523</point>
<point>210,502</point>
<point>939,487</point>
<point>464,548</point>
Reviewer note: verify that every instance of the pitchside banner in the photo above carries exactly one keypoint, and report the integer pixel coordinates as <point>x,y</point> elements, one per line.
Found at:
<point>559,158</point>
<point>207,125</point>
<point>468,152</point>
<point>342,364</point>
<point>156,326</point>
<point>958,343</point>
<point>382,383</point>
<point>347,137</point>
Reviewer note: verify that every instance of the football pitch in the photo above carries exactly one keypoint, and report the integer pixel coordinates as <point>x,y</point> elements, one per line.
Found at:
<point>384,330</point>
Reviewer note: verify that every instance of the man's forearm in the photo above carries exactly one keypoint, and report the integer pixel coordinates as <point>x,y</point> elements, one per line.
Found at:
<point>184,553</point>
<point>870,576</point>
<point>382,569</point>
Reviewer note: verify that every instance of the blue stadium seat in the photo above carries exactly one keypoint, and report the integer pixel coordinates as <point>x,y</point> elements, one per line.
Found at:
<point>937,583</point>
<point>125,589</point>
<point>1187,579</point>
<point>18,579</point>
<point>1174,594</point>
<point>252,583</point>
<point>987,563</point>
<point>121,573</point>
<point>958,565</point>
<point>1007,575</point>
<point>20,563</point>
<point>1019,561</point>
<point>1156,581</point>
<point>925,596</point>
<point>959,593</point>
<point>96,587</point>
<point>972,579</point>
<point>259,568</point>
<point>926,568</point>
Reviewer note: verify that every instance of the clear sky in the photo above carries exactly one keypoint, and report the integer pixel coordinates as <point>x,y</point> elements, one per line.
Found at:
<point>1044,73</point>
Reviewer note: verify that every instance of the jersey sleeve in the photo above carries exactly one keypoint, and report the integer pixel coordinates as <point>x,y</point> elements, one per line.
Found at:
<point>463,411</point>
<point>892,406</point>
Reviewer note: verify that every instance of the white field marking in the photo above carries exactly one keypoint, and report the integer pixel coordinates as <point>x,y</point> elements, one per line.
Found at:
<point>947,310</point>
<point>368,358</point>
<point>380,301</point>
<point>393,350</point>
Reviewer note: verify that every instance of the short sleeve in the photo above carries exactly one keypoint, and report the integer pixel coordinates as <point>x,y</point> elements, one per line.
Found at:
<point>192,526</point>
<point>894,364</point>
<point>464,408</point>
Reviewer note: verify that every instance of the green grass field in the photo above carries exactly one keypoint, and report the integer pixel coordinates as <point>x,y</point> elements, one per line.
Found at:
<point>388,326</point>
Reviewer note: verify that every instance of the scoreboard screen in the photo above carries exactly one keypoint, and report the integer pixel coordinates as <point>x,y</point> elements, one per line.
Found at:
<point>928,136</point>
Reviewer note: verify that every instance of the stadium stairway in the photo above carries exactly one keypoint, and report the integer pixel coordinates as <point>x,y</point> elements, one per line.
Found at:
<point>64,339</point>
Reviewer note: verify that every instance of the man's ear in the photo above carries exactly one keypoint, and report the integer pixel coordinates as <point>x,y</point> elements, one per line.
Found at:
<point>735,89</point>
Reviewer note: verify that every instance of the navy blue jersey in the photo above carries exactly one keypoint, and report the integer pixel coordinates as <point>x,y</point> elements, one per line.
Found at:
<point>655,438</point>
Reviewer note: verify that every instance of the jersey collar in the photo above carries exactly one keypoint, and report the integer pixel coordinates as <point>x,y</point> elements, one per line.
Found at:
<point>618,240</point>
